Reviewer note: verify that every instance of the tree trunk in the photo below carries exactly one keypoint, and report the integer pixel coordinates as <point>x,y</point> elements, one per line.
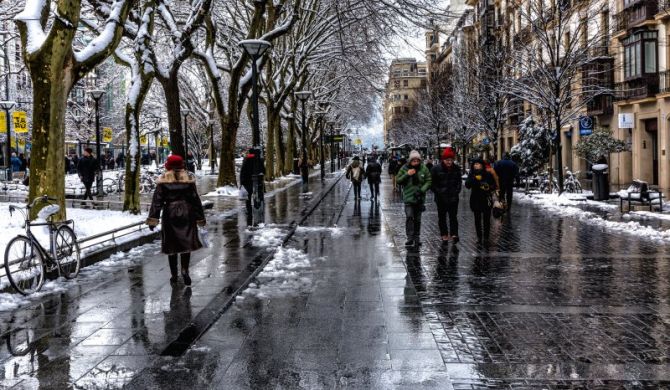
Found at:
<point>227,157</point>
<point>270,145</point>
<point>171,90</point>
<point>279,140</point>
<point>290,147</point>
<point>51,87</point>
<point>131,195</point>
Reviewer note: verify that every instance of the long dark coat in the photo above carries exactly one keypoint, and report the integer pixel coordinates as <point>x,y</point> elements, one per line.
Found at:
<point>482,185</point>
<point>447,183</point>
<point>373,172</point>
<point>177,204</point>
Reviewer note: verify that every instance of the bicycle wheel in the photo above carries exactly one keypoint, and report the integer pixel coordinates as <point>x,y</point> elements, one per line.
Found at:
<point>67,252</point>
<point>109,186</point>
<point>24,265</point>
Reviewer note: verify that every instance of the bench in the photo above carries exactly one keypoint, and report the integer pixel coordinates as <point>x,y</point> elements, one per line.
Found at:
<point>639,193</point>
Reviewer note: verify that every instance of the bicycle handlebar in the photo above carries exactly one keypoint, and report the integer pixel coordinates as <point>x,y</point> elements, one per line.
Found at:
<point>43,198</point>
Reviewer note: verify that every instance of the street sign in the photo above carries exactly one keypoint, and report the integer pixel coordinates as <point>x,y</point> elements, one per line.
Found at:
<point>144,140</point>
<point>107,135</point>
<point>486,141</point>
<point>334,138</point>
<point>20,121</point>
<point>626,121</point>
<point>358,141</point>
<point>165,142</point>
<point>3,122</point>
<point>585,125</point>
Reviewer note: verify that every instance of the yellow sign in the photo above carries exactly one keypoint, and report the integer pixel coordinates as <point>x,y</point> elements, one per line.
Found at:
<point>144,140</point>
<point>107,134</point>
<point>3,122</point>
<point>22,142</point>
<point>358,141</point>
<point>165,142</point>
<point>20,121</point>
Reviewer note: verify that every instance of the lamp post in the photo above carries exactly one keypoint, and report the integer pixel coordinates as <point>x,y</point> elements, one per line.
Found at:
<point>320,115</point>
<point>96,94</point>
<point>331,124</point>
<point>7,106</point>
<point>303,96</point>
<point>256,48</point>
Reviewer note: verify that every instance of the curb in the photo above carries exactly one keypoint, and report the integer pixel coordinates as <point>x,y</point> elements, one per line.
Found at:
<point>222,301</point>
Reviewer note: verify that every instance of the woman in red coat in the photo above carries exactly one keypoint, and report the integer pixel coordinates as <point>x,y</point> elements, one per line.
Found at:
<point>177,203</point>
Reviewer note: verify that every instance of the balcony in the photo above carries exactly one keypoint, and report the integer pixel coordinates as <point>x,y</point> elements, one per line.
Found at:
<point>635,13</point>
<point>601,105</point>
<point>639,88</point>
<point>664,81</point>
<point>515,113</point>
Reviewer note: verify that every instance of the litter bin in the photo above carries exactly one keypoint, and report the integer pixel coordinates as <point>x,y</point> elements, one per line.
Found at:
<point>601,186</point>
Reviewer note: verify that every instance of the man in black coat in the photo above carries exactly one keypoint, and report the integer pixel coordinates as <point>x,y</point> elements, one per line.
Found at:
<point>374,174</point>
<point>447,184</point>
<point>87,169</point>
<point>246,178</point>
<point>507,171</point>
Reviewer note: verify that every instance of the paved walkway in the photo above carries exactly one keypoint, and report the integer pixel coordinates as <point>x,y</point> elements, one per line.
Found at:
<point>552,303</point>
<point>112,321</point>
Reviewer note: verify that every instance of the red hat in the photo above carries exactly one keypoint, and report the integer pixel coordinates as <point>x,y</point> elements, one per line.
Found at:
<point>448,153</point>
<point>174,162</point>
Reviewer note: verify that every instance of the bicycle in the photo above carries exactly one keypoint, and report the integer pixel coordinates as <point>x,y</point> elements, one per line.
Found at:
<point>27,261</point>
<point>572,184</point>
<point>547,185</point>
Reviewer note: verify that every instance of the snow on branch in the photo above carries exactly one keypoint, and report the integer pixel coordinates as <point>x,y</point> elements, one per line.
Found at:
<point>33,17</point>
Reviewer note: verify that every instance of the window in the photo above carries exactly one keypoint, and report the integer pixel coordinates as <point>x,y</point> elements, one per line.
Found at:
<point>640,54</point>
<point>405,83</point>
<point>406,97</point>
<point>396,84</point>
<point>406,110</point>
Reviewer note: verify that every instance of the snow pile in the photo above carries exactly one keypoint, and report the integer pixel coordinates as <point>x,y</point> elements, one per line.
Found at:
<point>284,275</point>
<point>10,301</point>
<point>560,205</point>
<point>267,236</point>
<point>334,231</point>
<point>228,191</point>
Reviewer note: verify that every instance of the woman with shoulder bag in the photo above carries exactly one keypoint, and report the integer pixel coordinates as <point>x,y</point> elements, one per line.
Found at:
<point>482,185</point>
<point>177,203</point>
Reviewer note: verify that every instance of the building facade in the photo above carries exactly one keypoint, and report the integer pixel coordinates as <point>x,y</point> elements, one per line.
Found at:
<point>407,80</point>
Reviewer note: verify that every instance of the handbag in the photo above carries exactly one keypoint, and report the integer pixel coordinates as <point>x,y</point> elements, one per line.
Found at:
<point>203,237</point>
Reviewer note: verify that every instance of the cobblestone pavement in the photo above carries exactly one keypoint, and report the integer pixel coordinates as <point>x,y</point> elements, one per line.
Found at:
<point>103,328</point>
<point>551,303</point>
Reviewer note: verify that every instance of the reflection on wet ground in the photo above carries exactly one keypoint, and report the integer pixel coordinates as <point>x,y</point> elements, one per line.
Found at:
<point>106,327</point>
<point>551,303</point>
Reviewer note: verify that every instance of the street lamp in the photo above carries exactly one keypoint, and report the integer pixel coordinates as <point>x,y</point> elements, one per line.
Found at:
<point>96,94</point>
<point>256,48</point>
<point>331,125</point>
<point>320,115</point>
<point>303,96</point>
<point>7,106</point>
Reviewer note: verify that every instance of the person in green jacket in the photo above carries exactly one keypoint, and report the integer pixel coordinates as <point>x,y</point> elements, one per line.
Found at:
<point>416,180</point>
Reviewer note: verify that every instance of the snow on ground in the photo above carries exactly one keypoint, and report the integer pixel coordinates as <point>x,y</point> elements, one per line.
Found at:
<point>284,275</point>
<point>229,191</point>
<point>267,236</point>
<point>560,205</point>
<point>95,272</point>
<point>334,231</point>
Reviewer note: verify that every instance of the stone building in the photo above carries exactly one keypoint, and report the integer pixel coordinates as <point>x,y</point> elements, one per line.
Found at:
<point>407,80</point>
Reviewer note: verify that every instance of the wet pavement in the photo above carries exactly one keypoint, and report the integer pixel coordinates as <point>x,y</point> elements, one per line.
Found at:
<point>102,329</point>
<point>550,303</point>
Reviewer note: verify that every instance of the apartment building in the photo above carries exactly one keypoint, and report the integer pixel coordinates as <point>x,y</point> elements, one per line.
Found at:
<point>407,80</point>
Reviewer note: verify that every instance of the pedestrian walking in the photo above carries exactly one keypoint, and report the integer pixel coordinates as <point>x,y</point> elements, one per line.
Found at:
<point>15,163</point>
<point>482,185</point>
<point>374,174</point>
<point>247,179</point>
<point>176,204</point>
<point>447,184</point>
<point>120,160</point>
<point>393,171</point>
<point>87,169</point>
<point>415,179</point>
<point>68,164</point>
<point>24,162</point>
<point>356,174</point>
<point>507,171</point>
<point>190,162</point>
